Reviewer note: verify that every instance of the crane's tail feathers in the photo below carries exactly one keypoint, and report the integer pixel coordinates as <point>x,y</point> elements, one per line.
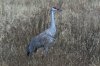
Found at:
<point>27,50</point>
<point>28,53</point>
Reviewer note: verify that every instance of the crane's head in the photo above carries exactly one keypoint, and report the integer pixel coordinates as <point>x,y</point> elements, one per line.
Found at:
<point>55,9</point>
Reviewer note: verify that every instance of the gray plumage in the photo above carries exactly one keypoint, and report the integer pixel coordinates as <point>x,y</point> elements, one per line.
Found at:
<point>44,39</point>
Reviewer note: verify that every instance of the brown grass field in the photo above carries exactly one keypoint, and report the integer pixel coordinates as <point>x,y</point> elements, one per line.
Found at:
<point>77,40</point>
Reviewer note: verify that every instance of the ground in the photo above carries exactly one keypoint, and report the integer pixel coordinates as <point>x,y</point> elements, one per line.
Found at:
<point>77,41</point>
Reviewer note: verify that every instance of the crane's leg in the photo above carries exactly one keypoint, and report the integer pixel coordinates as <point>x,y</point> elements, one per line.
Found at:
<point>35,50</point>
<point>45,50</point>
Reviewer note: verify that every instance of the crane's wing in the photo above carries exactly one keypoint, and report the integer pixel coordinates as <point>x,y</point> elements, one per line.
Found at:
<point>44,38</point>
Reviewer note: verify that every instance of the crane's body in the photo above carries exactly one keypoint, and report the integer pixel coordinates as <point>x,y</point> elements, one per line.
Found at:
<point>44,39</point>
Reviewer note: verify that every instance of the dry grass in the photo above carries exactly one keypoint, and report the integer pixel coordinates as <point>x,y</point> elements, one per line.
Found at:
<point>77,39</point>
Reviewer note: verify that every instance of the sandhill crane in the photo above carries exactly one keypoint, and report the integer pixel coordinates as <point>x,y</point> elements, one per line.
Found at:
<point>44,39</point>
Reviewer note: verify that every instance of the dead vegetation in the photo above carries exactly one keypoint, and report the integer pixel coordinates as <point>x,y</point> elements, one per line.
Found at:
<point>77,39</point>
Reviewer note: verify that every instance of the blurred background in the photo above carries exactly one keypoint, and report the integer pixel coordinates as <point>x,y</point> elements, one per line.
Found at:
<point>77,40</point>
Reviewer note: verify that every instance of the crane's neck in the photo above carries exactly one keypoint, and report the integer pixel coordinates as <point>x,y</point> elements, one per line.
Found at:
<point>52,22</point>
